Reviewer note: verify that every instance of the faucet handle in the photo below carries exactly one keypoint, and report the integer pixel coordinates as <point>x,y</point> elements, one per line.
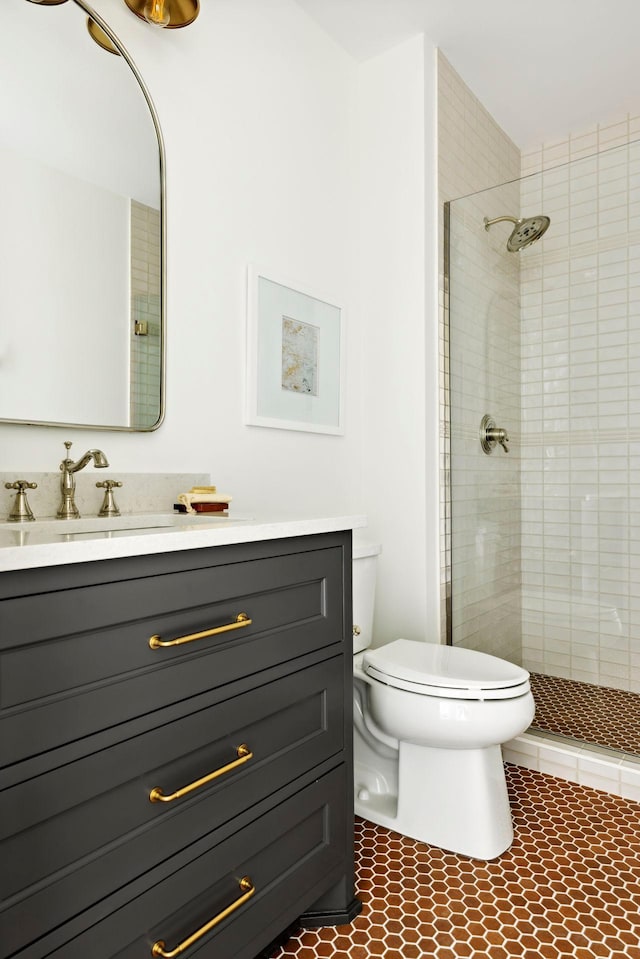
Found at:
<point>109,507</point>
<point>21,511</point>
<point>66,459</point>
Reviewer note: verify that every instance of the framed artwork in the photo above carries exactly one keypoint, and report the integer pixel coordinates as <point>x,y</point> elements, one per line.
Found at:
<point>295,357</point>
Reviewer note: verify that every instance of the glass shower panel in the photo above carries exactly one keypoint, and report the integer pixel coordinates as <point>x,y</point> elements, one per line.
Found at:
<point>545,538</point>
<point>484,369</point>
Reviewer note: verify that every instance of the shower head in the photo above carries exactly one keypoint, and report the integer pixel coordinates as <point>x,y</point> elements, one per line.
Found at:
<point>525,231</point>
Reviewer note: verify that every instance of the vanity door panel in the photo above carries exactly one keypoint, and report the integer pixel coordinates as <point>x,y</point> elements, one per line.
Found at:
<point>291,854</point>
<point>87,828</point>
<point>77,661</point>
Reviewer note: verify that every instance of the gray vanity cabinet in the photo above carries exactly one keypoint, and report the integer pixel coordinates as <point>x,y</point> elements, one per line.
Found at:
<point>157,793</point>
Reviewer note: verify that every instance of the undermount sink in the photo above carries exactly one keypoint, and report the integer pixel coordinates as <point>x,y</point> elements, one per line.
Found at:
<point>127,523</point>
<point>111,524</point>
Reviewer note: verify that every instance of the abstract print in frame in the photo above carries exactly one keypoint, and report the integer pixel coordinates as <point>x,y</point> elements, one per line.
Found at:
<point>295,357</point>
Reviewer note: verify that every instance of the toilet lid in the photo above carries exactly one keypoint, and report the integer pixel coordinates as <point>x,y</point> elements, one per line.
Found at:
<point>447,671</point>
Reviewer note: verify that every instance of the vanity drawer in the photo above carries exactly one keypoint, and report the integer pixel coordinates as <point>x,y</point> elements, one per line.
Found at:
<point>85,829</point>
<point>292,854</point>
<point>77,661</point>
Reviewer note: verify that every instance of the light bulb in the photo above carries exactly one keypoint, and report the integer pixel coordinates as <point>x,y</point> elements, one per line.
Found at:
<point>157,12</point>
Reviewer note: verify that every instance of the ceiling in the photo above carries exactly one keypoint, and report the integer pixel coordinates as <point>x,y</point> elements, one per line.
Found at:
<point>542,68</point>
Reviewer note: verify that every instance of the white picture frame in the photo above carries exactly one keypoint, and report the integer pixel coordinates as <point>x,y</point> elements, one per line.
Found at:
<point>295,356</point>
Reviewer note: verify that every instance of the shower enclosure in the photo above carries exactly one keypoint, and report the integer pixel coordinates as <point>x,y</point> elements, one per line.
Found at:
<point>544,522</point>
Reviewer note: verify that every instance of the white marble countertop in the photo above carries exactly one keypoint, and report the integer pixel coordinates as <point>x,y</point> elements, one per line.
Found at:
<point>56,542</point>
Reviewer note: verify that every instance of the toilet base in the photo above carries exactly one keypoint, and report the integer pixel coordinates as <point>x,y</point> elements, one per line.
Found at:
<point>452,798</point>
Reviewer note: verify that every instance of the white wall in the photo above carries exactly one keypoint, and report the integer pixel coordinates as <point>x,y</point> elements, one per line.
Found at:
<point>396,303</point>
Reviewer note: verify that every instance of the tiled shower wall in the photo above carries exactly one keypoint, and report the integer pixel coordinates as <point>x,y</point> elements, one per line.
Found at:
<point>580,409</point>
<point>475,154</point>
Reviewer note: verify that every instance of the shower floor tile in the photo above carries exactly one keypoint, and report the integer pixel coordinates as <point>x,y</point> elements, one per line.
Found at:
<point>568,887</point>
<point>590,714</point>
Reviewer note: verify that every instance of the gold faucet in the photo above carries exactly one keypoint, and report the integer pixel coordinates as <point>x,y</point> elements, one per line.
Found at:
<point>68,508</point>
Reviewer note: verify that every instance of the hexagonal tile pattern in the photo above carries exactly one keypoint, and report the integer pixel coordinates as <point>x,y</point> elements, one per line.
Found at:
<point>568,887</point>
<point>592,714</point>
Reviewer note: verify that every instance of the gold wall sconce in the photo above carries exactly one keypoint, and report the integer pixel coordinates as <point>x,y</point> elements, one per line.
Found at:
<point>172,14</point>
<point>165,13</point>
<point>159,13</point>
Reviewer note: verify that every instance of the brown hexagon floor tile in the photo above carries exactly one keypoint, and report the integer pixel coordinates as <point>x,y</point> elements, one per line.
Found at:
<point>589,713</point>
<point>569,887</point>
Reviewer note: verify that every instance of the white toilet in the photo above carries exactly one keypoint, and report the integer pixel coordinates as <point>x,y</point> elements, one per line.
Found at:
<point>429,721</point>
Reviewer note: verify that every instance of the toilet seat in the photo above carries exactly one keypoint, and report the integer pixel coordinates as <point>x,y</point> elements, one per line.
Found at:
<point>446,672</point>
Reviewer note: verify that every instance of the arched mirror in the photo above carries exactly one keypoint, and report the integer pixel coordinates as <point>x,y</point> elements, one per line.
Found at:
<point>82,226</point>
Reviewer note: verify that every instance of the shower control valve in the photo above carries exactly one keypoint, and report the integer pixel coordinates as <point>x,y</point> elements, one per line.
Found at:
<point>491,435</point>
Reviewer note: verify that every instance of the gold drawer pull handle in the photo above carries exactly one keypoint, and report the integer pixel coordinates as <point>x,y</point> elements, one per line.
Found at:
<point>243,753</point>
<point>246,887</point>
<point>241,620</point>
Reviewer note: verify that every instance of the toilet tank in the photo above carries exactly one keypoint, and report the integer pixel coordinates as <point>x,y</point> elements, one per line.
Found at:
<point>365,558</point>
